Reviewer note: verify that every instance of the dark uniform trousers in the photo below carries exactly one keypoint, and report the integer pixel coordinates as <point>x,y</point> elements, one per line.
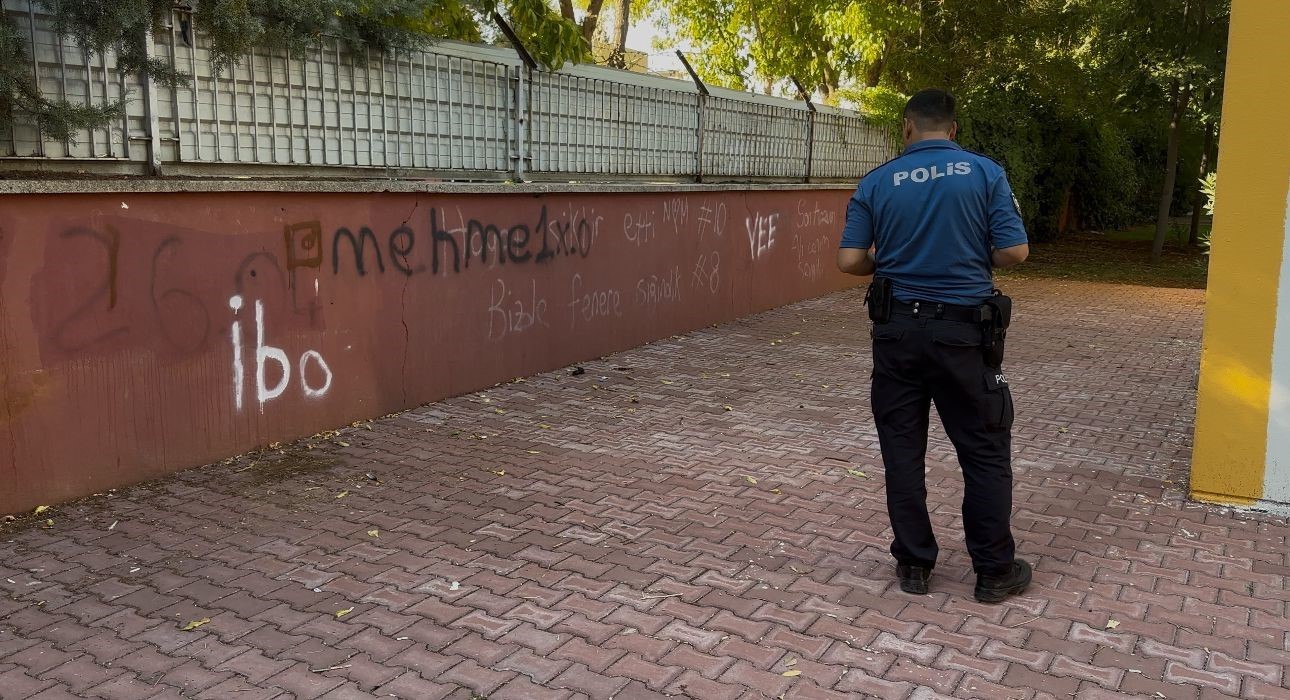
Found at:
<point>918,361</point>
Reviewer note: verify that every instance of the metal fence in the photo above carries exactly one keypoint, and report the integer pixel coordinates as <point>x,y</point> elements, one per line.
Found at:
<point>458,111</point>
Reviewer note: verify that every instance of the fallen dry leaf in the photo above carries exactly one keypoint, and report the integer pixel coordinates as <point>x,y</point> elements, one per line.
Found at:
<point>40,509</point>
<point>342,494</point>
<point>343,613</point>
<point>791,662</point>
<point>791,674</point>
<point>373,533</point>
<point>729,408</point>
<point>750,479</point>
<point>1112,624</point>
<point>500,472</point>
<point>857,474</point>
<point>194,624</point>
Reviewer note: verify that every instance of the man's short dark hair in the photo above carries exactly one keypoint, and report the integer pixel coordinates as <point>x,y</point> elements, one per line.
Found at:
<point>930,110</point>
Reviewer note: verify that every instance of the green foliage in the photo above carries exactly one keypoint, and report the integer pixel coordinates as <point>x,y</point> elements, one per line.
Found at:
<point>121,26</point>
<point>882,105</point>
<point>1072,96</point>
<point>823,43</point>
<point>553,39</point>
<point>235,27</point>
<point>1109,180</point>
<point>1208,187</point>
<point>58,120</point>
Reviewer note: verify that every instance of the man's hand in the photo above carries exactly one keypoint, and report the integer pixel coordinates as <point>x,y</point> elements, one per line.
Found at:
<point>855,261</point>
<point>1007,257</point>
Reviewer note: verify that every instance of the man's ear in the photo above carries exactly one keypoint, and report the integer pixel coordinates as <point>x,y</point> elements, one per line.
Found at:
<point>954,129</point>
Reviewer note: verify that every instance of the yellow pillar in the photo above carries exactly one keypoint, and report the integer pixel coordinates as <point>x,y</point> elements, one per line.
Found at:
<point>1242,453</point>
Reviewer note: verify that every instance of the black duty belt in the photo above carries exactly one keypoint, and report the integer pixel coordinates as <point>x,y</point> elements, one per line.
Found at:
<point>934,309</point>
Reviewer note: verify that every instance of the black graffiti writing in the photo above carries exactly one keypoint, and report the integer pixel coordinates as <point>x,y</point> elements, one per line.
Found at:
<point>106,289</point>
<point>358,244</point>
<point>471,243</point>
<point>182,315</point>
<point>401,243</point>
<point>573,233</point>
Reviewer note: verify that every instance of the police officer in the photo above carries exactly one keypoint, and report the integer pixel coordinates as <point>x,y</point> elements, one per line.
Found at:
<point>934,222</point>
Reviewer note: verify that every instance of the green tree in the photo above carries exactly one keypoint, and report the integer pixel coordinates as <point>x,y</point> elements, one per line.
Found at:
<point>1171,52</point>
<point>824,43</point>
<point>1085,101</point>
<point>234,27</point>
<point>18,90</point>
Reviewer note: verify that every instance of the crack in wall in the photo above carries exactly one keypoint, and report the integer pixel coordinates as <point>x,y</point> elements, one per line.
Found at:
<point>407,341</point>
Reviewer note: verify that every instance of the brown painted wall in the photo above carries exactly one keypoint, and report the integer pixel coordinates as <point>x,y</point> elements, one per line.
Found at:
<point>146,333</point>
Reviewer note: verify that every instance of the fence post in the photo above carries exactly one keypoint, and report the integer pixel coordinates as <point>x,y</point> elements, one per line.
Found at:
<point>702,105</point>
<point>810,127</point>
<point>523,105</point>
<point>35,71</point>
<point>152,116</point>
<point>523,111</point>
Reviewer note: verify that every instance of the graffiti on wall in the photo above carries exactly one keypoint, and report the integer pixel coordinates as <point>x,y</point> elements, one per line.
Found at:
<point>272,311</point>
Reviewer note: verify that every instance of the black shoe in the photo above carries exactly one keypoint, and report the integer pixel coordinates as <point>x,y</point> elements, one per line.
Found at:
<point>913,579</point>
<point>994,589</point>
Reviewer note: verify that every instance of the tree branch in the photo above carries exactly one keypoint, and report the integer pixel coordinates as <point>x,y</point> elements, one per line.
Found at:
<point>592,20</point>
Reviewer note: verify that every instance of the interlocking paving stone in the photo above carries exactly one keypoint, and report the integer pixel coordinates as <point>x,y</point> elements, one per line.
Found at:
<point>622,533</point>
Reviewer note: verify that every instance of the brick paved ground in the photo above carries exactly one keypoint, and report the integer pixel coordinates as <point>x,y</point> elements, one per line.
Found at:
<point>679,520</point>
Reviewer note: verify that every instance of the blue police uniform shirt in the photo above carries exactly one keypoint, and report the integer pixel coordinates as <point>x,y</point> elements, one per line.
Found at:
<point>935,213</point>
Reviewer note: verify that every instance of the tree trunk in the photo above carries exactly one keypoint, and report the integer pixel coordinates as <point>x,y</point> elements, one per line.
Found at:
<point>592,20</point>
<point>566,10</point>
<point>624,23</point>
<point>873,72</point>
<point>1181,98</point>
<point>1199,203</point>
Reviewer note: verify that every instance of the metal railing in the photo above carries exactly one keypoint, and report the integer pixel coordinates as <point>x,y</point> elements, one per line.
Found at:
<point>458,111</point>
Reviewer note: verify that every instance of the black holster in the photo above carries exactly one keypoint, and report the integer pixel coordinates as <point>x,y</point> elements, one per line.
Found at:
<point>994,316</point>
<point>878,299</point>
